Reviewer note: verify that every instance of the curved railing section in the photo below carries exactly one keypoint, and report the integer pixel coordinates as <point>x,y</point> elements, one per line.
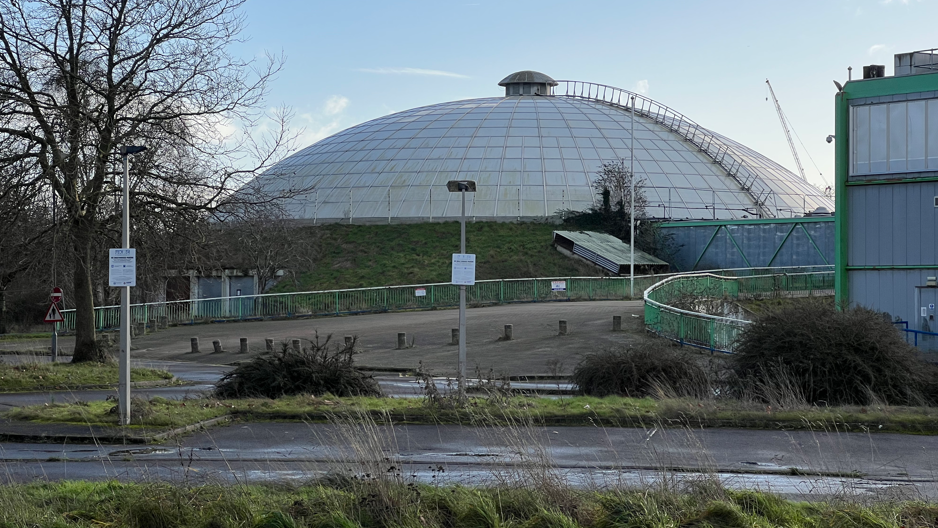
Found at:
<point>427,296</point>
<point>676,308</point>
<point>707,142</point>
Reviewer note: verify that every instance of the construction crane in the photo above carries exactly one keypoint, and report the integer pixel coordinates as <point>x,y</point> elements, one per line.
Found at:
<point>784,121</point>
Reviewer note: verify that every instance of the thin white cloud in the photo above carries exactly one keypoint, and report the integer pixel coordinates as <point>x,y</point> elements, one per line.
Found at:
<point>903,2</point>
<point>335,105</point>
<point>412,71</point>
<point>641,86</point>
<point>876,48</point>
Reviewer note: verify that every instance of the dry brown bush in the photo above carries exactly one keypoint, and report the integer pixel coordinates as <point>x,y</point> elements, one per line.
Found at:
<point>825,356</point>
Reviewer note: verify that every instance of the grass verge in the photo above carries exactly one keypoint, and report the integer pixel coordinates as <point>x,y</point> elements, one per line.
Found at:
<point>360,504</point>
<point>64,376</point>
<point>581,410</point>
<point>23,337</point>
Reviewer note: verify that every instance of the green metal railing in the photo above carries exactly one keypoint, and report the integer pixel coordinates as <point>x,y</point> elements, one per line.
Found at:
<point>674,306</point>
<point>380,299</point>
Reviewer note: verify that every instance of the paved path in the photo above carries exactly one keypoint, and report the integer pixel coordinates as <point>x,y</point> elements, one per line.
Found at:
<point>581,456</point>
<point>535,350</point>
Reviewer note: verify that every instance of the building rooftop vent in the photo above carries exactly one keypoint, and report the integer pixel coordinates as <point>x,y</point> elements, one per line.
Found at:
<point>527,82</point>
<point>916,62</point>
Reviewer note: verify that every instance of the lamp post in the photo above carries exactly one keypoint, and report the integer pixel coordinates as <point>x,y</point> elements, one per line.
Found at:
<point>124,360</point>
<point>632,204</point>
<point>462,187</point>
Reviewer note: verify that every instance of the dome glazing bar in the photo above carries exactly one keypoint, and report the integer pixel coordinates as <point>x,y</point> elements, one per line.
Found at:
<point>707,142</point>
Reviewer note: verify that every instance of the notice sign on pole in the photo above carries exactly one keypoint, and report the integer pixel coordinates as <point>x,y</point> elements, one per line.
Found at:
<point>123,267</point>
<point>558,285</point>
<point>464,269</point>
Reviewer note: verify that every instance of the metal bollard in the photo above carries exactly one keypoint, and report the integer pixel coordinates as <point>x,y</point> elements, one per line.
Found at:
<point>269,344</point>
<point>616,323</point>
<point>563,327</point>
<point>244,345</point>
<point>195,345</point>
<point>296,346</point>
<point>401,340</point>
<point>348,341</point>
<point>508,332</point>
<point>454,336</point>
<point>217,345</point>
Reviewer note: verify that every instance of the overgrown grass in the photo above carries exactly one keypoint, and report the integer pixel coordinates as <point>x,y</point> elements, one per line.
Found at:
<point>357,256</point>
<point>155,412</point>
<point>610,411</point>
<point>404,504</point>
<point>63,376</point>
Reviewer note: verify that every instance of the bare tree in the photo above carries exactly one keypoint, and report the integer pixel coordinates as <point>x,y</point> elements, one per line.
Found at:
<point>26,227</point>
<point>80,78</point>
<point>615,177</point>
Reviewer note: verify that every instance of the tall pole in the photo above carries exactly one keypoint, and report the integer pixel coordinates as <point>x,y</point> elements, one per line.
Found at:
<point>632,205</point>
<point>461,382</point>
<point>124,360</point>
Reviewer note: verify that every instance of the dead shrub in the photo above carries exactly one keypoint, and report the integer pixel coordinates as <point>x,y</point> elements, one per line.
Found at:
<point>638,372</point>
<point>826,356</point>
<point>317,369</point>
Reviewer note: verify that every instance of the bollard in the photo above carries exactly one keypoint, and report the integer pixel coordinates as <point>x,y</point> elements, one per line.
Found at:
<point>217,345</point>
<point>401,340</point>
<point>616,323</point>
<point>348,341</point>
<point>296,345</point>
<point>563,327</point>
<point>454,337</point>
<point>508,332</point>
<point>244,345</point>
<point>269,343</point>
<point>163,322</point>
<point>195,345</point>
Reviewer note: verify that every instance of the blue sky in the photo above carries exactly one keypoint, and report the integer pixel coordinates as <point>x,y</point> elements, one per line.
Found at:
<point>348,62</point>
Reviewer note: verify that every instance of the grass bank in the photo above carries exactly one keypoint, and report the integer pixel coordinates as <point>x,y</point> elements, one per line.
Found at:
<point>359,256</point>
<point>63,376</point>
<point>24,337</point>
<point>580,410</point>
<point>394,502</point>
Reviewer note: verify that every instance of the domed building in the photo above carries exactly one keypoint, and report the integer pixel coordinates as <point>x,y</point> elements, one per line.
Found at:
<point>533,153</point>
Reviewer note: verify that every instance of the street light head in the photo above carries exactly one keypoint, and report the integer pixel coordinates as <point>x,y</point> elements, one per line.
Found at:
<point>131,149</point>
<point>830,138</point>
<point>461,186</point>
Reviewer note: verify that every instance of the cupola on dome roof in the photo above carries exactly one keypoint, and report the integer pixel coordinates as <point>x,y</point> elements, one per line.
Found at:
<point>527,82</point>
<point>527,76</point>
<point>534,153</point>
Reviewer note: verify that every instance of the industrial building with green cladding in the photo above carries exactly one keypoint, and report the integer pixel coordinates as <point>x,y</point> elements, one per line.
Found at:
<point>887,192</point>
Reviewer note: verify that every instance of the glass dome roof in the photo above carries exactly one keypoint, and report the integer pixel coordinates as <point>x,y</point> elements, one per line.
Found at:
<point>531,156</point>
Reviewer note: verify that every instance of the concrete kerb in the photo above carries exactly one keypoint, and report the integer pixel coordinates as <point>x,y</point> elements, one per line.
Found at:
<point>64,433</point>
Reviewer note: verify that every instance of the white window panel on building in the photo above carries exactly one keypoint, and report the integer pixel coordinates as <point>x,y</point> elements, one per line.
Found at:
<point>894,138</point>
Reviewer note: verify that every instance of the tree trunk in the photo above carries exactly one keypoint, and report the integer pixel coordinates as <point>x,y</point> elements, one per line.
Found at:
<point>86,346</point>
<point>3,310</point>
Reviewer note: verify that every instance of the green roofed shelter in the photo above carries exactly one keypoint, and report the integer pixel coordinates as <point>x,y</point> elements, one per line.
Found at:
<point>607,252</point>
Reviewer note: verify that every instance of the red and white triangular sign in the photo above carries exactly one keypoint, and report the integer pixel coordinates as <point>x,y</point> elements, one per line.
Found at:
<point>53,315</point>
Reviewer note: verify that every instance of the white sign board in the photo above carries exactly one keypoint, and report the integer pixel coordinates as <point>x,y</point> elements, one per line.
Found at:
<point>558,285</point>
<point>122,270</point>
<point>420,292</point>
<point>464,269</point>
